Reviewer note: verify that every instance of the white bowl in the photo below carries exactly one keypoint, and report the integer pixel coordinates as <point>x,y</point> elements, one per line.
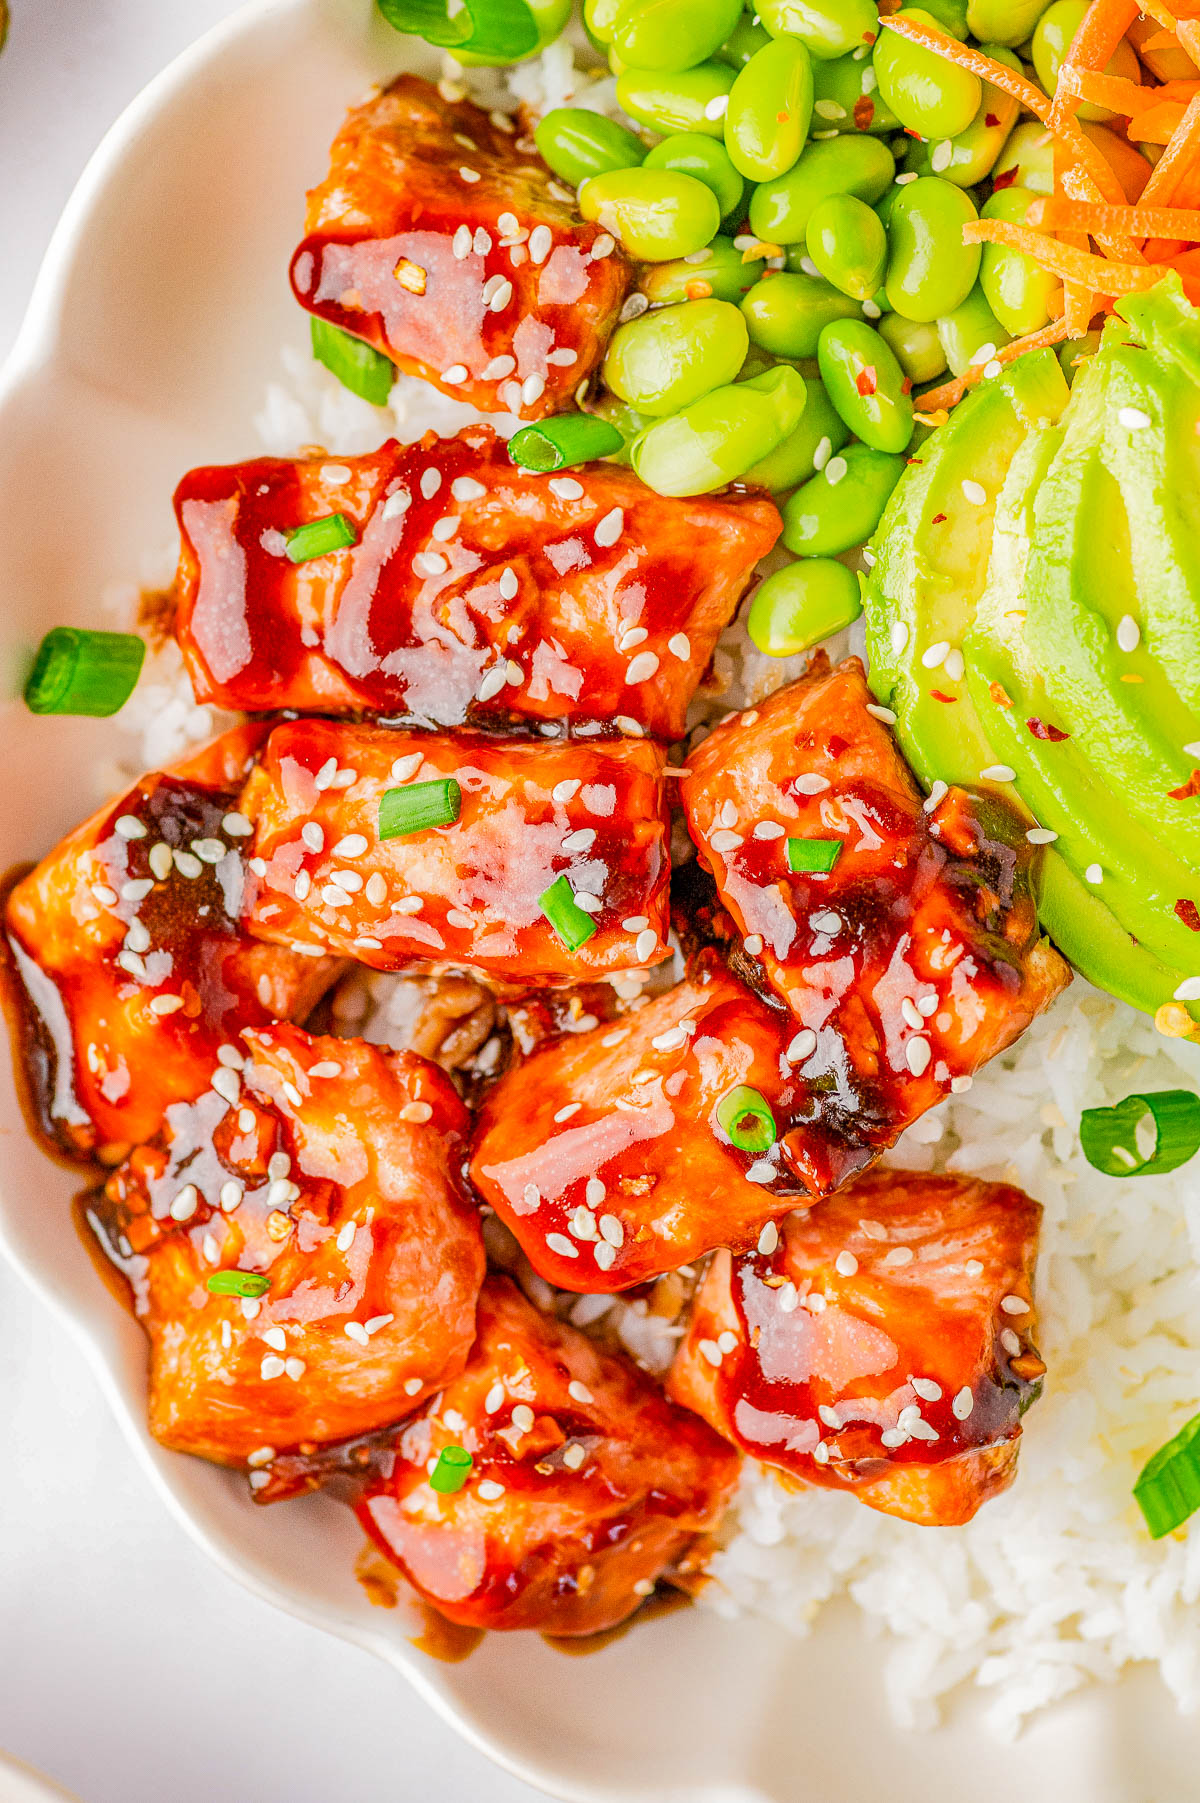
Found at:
<point>154,324</point>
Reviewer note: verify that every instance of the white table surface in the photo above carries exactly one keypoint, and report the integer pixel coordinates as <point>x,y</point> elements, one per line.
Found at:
<point>131,1670</point>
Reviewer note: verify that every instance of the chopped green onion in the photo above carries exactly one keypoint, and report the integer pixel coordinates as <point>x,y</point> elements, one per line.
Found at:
<point>747,1119</point>
<point>452,1470</point>
<point>568,919</point>
<point>239,1283</point>
<point>556,444</point>
<point>333,532</point>
<point>418,806</point>
<point>81,672</point>
<point>818,855</point>
<point>1109,1135</point>
<point>359,367</point>
<point>501,30</point>
<point>1168,1487</point>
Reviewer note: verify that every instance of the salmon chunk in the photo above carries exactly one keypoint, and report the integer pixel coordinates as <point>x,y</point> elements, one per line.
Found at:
<point>626,1151</point>
<point>566,831</point>
<point>473,591</point>
<point>131,966</point>
<point>902,935</point>
<point>457,254</point>
<point>879,1344</point>
<point>585,1483</point>
<point>326,1170</point>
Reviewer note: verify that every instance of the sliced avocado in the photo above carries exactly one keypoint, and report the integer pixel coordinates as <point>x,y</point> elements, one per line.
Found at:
<point>1055,775</point>
<point>932,551</point>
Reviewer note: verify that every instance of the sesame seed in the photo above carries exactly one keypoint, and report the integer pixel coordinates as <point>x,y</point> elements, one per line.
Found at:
<point>187,864</point>
<point>271,1367</point>
<point>802,1046</point>
<point>611,1230</point>
<point>845,1264</point>
<point>717,107</point>
<point>642,667</point>
<point>902,181</point>
<point>262,1455</point>
<point>871,310</point>
<point>541,240</point>
<point>708,1349</point>
<point>761,1171</point>
<point>882,713</point>
<point>582,839</point>
<point>1129,633</point>
<point>186,1202</point>
<point>355,1330</point>
<point>227,1085</point>
<point>532,389</point>
<point>963,1403</point>
<point>942,157</point>
<point>564,1114</point>
<point>508,584</point>
<point>634,923</point>
<point>998,773</point>
<point>495,680</point>
<point>935,655</point>
<point>558,1242</point>
<point>810,784</point>
<point>412,1385</point>
<point>645,945</point>
<point>835,469</point>
<point>1014,1305</point>
<point>209,851</point>
<point>753,944</point>
<point>606,1256</point>
<point>825,920</point>
<point>455,375</point>
<point>1041,835</point>
<point>251,1307</point>
<point>899,636</point>
<point>128,826</point>
<point>768,1239</point>
<point>926,1389</point>
<point>603,246</point>
<point>899,1255</point>
<point>917,1054</point>
<point>1133,419</point>
<point>960,1085</point>
<point>166,1004</point>
<point>974,492</point>
<point>566,488</point>
<point>937,794</point>
<point>160,860</point>
<point>274,1336</point>
<point>973,1268</point>
<point>470,176</point>
<point>522,1415</point>
<point>610,527</point>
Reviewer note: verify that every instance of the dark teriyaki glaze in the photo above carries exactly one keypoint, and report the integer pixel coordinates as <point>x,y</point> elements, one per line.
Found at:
<point>879,1342</point>
<point>477,592</point>
<point>130,951</point>
<point>454,252</point>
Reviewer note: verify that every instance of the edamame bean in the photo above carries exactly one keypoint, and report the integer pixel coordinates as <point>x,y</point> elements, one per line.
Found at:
<point>743,41</point>
<point>692,100</point>
<point>842,504</point>
<point>1007,22</point>
<point>577,144</point>
<point>705,159</point>
<point>666,359</point>
<point>930,270</point>
<point>770,107</point>
<point>625,418</point>
<point>672,34</point>
<point>826,28</point>
<point>598,18</point>
<point>1073,356</point>
<point>716,273</point>
<point>866,384</point>
<point>968,329</point>
<point>797,607</point>
<point>787,313</point>
<point>722,435</point>
<point>917,347</point>
<point>1027,160</point>
<point>951,15</point>
<point>1053,38</point>
<point>1016,288</point>
<point>930,96</point>
<point>848,245</point>
<point>820,433</point>
<point>655,213</point>
<point>781,209</point>
<point>968,158</point>
<point>846,97</point>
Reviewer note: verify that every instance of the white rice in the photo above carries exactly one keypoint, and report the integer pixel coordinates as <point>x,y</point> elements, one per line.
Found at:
<point>1057,1582</point>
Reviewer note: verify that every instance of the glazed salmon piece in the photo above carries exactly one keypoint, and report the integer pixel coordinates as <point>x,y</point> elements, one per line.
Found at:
<point>916,956</point>
<point>882,1345</point>
<point>456,254</point>
<point>130,961</point>
<point>331,1168</point>
<point>585,1485</point>
<point>475,591</point>
<point>591,817</point>
<point>611,1154</point>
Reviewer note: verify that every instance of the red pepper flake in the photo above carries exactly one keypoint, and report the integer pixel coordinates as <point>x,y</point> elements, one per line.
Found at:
<point>783,117</point>
<point>700,289</point>
<point>864,113</point>
<point>906,385</point>
<point>998,694</point>
<point>938,696</point>
<point>1042,729</point>
<point>1186,790</point>
<point>865,380</point>
<point>991,119</point>
<point>1189,913</point>
<point>1007,179</point>
<point>937,519</point>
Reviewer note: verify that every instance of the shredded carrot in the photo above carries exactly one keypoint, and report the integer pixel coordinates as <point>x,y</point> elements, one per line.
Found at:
<point>1112,91</point>
<point>1080,305</point>
<point>1050,214</point>
<point>1104,274</point>
<point>951,393</point>
<point>1103,26</point>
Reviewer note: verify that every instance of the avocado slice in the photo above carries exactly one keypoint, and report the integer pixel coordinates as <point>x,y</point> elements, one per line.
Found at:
<point>931,558</point>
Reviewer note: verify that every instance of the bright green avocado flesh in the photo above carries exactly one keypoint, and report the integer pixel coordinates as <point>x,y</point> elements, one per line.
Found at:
<point>1035,603</point>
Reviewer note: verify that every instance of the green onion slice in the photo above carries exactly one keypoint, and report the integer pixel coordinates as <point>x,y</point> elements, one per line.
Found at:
<point>1109,1135</point>
<point>819,855</point>
<point>418,806</point>
<point>556,444</point>
<point>499,29</point>
<point>568,919</point>
<point>81,672</point>
<point>1167,1490</point>
<point>318,538</point>
<point>452,1470</point>
<point>747,1119</point>
<point>239,1283</point>
<point>359,367</point>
